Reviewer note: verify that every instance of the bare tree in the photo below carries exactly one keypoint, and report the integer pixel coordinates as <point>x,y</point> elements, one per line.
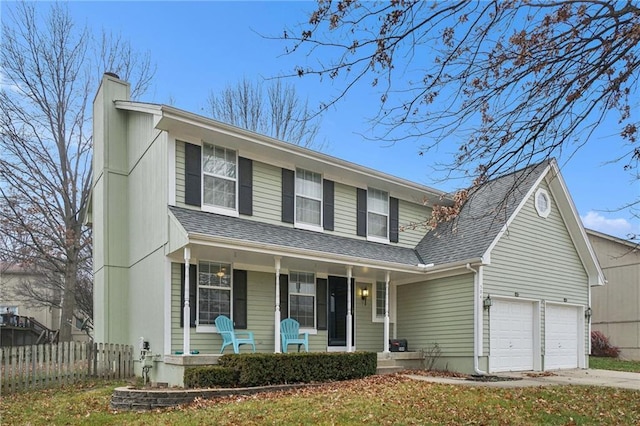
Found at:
<point>49,71</point>
<point>276,111</point>
<point>513,82</point>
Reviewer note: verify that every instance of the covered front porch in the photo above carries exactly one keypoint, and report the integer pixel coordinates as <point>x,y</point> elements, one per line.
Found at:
<point>345,302</point>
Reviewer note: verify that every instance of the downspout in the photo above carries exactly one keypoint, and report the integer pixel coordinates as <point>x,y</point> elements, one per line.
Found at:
<point>477,329</point>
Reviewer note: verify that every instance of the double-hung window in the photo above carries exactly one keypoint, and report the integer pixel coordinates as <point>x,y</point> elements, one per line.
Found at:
<point>378,215</point>
<point>219,177</point>
<point>380,302</point>
<point>381,297</point>
<point>302,298</point>
<point>214,292</point>
<point>308,199</point>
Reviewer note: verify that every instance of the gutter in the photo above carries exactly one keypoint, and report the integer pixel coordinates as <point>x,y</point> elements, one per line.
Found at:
<point>477,328</point>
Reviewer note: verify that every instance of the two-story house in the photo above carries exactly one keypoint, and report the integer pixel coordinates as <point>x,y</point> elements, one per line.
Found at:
<point>193,218</point>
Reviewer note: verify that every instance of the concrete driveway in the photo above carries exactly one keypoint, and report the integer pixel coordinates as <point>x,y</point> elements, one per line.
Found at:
<point>616,379</point>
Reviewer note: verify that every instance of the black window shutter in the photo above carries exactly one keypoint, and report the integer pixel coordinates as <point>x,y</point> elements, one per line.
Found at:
<point>394,222</point>
<point>192,172</point>
<point>240,298</point>
<point>321,303</point>
<point>361,227</point>
<point>288,194</point>
<point>327,207</point>
<point>245,190</point>
<point>193,290</point>
<point>284,296</point>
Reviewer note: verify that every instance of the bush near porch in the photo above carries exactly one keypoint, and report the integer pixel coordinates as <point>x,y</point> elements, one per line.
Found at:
<point>246,370</point>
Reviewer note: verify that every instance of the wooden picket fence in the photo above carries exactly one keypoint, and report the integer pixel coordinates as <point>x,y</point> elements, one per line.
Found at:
<point>57,364</point>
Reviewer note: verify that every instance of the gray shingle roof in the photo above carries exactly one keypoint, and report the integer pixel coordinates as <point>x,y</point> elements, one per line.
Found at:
<point>481,219</point>
<point>257,232</point>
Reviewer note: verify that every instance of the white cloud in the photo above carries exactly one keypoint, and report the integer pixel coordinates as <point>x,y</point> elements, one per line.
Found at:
<point>617,227</point>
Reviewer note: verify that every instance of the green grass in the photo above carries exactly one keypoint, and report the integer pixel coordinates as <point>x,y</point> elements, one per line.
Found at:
<point>604,363</point>
<point>374,400</point>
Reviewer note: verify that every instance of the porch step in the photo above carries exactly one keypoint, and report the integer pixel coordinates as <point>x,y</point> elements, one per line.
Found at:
<point>389,369</point>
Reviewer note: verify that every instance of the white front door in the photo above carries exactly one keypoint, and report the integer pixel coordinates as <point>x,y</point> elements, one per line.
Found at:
<point>561,336</point>
<point>511,336</point>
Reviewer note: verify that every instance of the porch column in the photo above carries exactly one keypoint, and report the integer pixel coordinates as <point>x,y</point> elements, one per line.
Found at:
<point>349,313</point>
<point>277,312</point>
<point>386,313</point>
<point>186,341</point>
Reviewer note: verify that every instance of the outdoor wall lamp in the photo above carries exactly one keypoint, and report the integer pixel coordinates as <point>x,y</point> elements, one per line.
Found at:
<point>587,313</point>
<point>364,294</point>
<point>487,302</point>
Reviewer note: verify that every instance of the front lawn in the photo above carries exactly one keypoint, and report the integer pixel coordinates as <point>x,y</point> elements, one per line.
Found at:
<point>374,400</point>
<point>604,363</point>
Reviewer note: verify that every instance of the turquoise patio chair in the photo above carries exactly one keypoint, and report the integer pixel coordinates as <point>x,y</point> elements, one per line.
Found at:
<point>232,337</point>
<point>290,333</point>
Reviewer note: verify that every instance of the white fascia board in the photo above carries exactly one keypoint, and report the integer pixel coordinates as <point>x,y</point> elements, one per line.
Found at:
<point>573,223</point>
<point>443,271</point>
<point>487,254</point>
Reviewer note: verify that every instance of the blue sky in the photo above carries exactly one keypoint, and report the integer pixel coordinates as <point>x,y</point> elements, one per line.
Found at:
<point>203,46</point>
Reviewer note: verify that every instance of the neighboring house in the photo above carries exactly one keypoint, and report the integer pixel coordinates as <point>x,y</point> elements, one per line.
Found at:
<point>193,218</point>
<point>21,324</point>
<point>616,306</point>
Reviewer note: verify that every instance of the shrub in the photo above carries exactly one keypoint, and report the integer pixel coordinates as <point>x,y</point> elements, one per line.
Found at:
<point>600,345</point>
<point>210,376</point>
<point>275,369</point>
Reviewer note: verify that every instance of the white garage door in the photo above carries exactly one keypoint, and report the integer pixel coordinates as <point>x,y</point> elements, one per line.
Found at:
<point>511,341</point>
<point>561,337</point>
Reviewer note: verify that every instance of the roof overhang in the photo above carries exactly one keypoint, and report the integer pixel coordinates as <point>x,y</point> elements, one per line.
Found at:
<point>194,127</point>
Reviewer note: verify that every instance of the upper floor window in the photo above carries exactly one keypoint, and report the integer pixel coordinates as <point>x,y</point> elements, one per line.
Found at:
<point>378,214</point>
<point>214,292</point>
<point>219,177</point>
<point>302,298</point>
<point>308,198</point>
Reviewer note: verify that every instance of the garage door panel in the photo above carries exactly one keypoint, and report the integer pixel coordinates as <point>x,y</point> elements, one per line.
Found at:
<point>511,331</point>
<point>561,337</point>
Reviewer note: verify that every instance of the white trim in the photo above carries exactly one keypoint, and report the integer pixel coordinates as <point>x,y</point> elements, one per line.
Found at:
<point>589,256</point>
<point>219,210</point>
<point>305,225</point>
<point>214,208</point>
<point>211,328</point>
<point>540,193</point>
<point>167,304</point>
<point>525,199</point>
<point>308,227</point>
<point>377,238</point>
<point>171,168</point>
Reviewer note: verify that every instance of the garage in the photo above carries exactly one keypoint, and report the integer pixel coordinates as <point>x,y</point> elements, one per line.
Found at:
<point>561,336</point>
<point>511,335</point>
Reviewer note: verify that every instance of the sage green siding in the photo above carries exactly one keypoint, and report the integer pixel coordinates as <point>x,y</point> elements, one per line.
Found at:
<point>344,203</point>
<point>267,193</point>
<point>260,317</point>
<point>412,217</point>
<point>369,334</point>
<point>537,259</point>
<point>267,202</point>
<point>438,311</point>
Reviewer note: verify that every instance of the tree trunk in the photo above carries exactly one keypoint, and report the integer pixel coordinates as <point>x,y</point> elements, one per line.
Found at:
<point>68,301</point>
